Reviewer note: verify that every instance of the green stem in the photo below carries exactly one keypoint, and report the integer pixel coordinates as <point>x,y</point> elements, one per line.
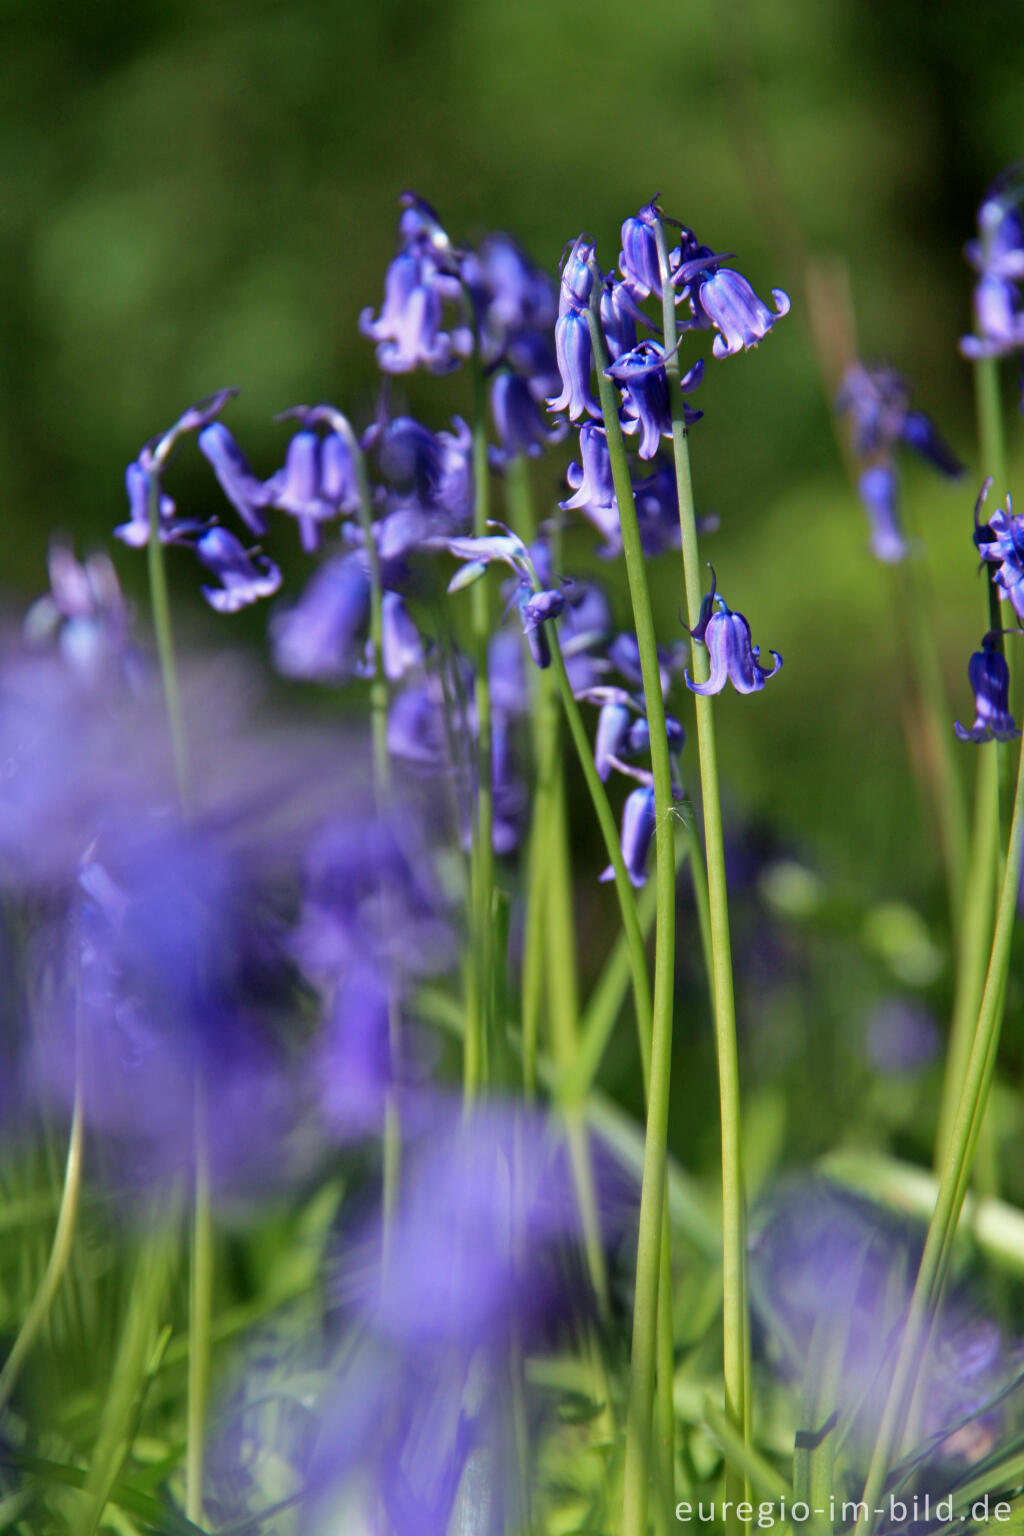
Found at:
<point>478,1023</point>
<point>938,742</point>
<point>200,1312</point>
<point>643,1358</point>
<point>160,606</point>
<point>956,1171</point>
<point>982,876</point>
<point>60,1252</point>
<point>632,932</point>
<point>734,1284</point>
<point>379,699</point>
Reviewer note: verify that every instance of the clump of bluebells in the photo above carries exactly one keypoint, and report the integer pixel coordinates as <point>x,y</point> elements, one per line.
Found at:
<point>307,1012</point>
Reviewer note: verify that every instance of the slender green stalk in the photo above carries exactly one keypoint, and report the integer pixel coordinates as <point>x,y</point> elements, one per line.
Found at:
<point>128,1377</point>
<point>479,1021</point>
<point>201,1278</point>
<point>160,606</point>
<point>632,932</point>
<point>956,1171</point>
<point>652,1190</point>
<point>941,765</point>
<point>735,1325</point>
<point>200,1312</point>
<point>60,1251</point>
<point>981,879</point>
<point>379,698</point>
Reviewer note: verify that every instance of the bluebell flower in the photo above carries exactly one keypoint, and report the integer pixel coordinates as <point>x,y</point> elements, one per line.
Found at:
<point>997,255</point>
<point>520,425</point>
<point>400,639</point>
<point>135,532</point>
<point>732,657</point>
<point>641,376</point>
<point>639,820</point>
<point>317,637</point>
<point>593,486</point>
<point>149,467</point>
<point>620,315</point>
<point>244,489</point>
<point>409,331</point>
<point>515,306</point>
<point>990,681</point>
<point>318,481</point>
<point>181,971</point>
<point>614,720</point>
<point>1000,542</point>
<point>428,481</point>
<point>86,614</point>
<point>877,400</point>
<point>534,609</point>
<point>245,576</point>
<point>879,493</point>
<point>638,258</point>
<point>723,299</point>
<point>577,278</point>
<point>574,355</point>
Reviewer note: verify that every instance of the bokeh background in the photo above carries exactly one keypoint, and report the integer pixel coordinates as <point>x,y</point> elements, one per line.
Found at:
<point>203,193</point>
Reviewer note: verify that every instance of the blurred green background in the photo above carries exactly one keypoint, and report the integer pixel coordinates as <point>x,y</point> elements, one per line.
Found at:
<point>204,193</point>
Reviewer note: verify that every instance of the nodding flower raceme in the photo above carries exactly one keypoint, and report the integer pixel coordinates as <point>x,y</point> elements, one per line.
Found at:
<point>997,255</point>
<point>1000,541</point>
<point>146,471</point>
<point>876,399</point>
<point>732,657</point>
<point>990,681</point>
<point>422,279</point>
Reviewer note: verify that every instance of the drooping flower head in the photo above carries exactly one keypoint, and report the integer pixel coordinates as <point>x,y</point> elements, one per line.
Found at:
<point>990,682</point>
<point>143,477</point>
<point>423,281</point>
<point>245,576</point>
<point>639,821</point>
<point>646,406</point>
<point>732,656</point>
<point>879,493</point>
<point>1000,542</point>
<point>877,400</point>
<point>997,255</point>
<point>85,613</point>
<point>723,300</point>
<point>318,481</point>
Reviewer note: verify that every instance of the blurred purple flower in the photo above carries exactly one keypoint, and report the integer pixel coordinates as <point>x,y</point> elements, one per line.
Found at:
<point>245,490</point>
<point>245,576</point>
<point>639,820</point>
<point>997,255</point>
<point>317,638</point>
<point>879,494</point>
<point>901,1037</point>
<point>410,331</point>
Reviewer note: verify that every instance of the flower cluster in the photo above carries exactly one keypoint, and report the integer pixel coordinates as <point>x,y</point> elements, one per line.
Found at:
<point>997,256</point>
<point>877,401</point>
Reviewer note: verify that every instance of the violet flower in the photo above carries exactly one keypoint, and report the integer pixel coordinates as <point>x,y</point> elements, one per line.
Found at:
<point>879,493</point>
<point>723,299</point>
<point>85,612</point>
<point>245,576</point>
<point>990,681</point>
<point>643,381</point>
<point>244,489</point>
<point>520,426</point>
<point>877,400</point>
<point>997,255</point>
<point>1000,541</point>
<point>317,637</point>
<point>574,355</point>
<point>410,330</point>
<point>732,657</point>
<point>150,465</point>
<point>593,486</point>
<point>639,820</point>
<point>317,482</point>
